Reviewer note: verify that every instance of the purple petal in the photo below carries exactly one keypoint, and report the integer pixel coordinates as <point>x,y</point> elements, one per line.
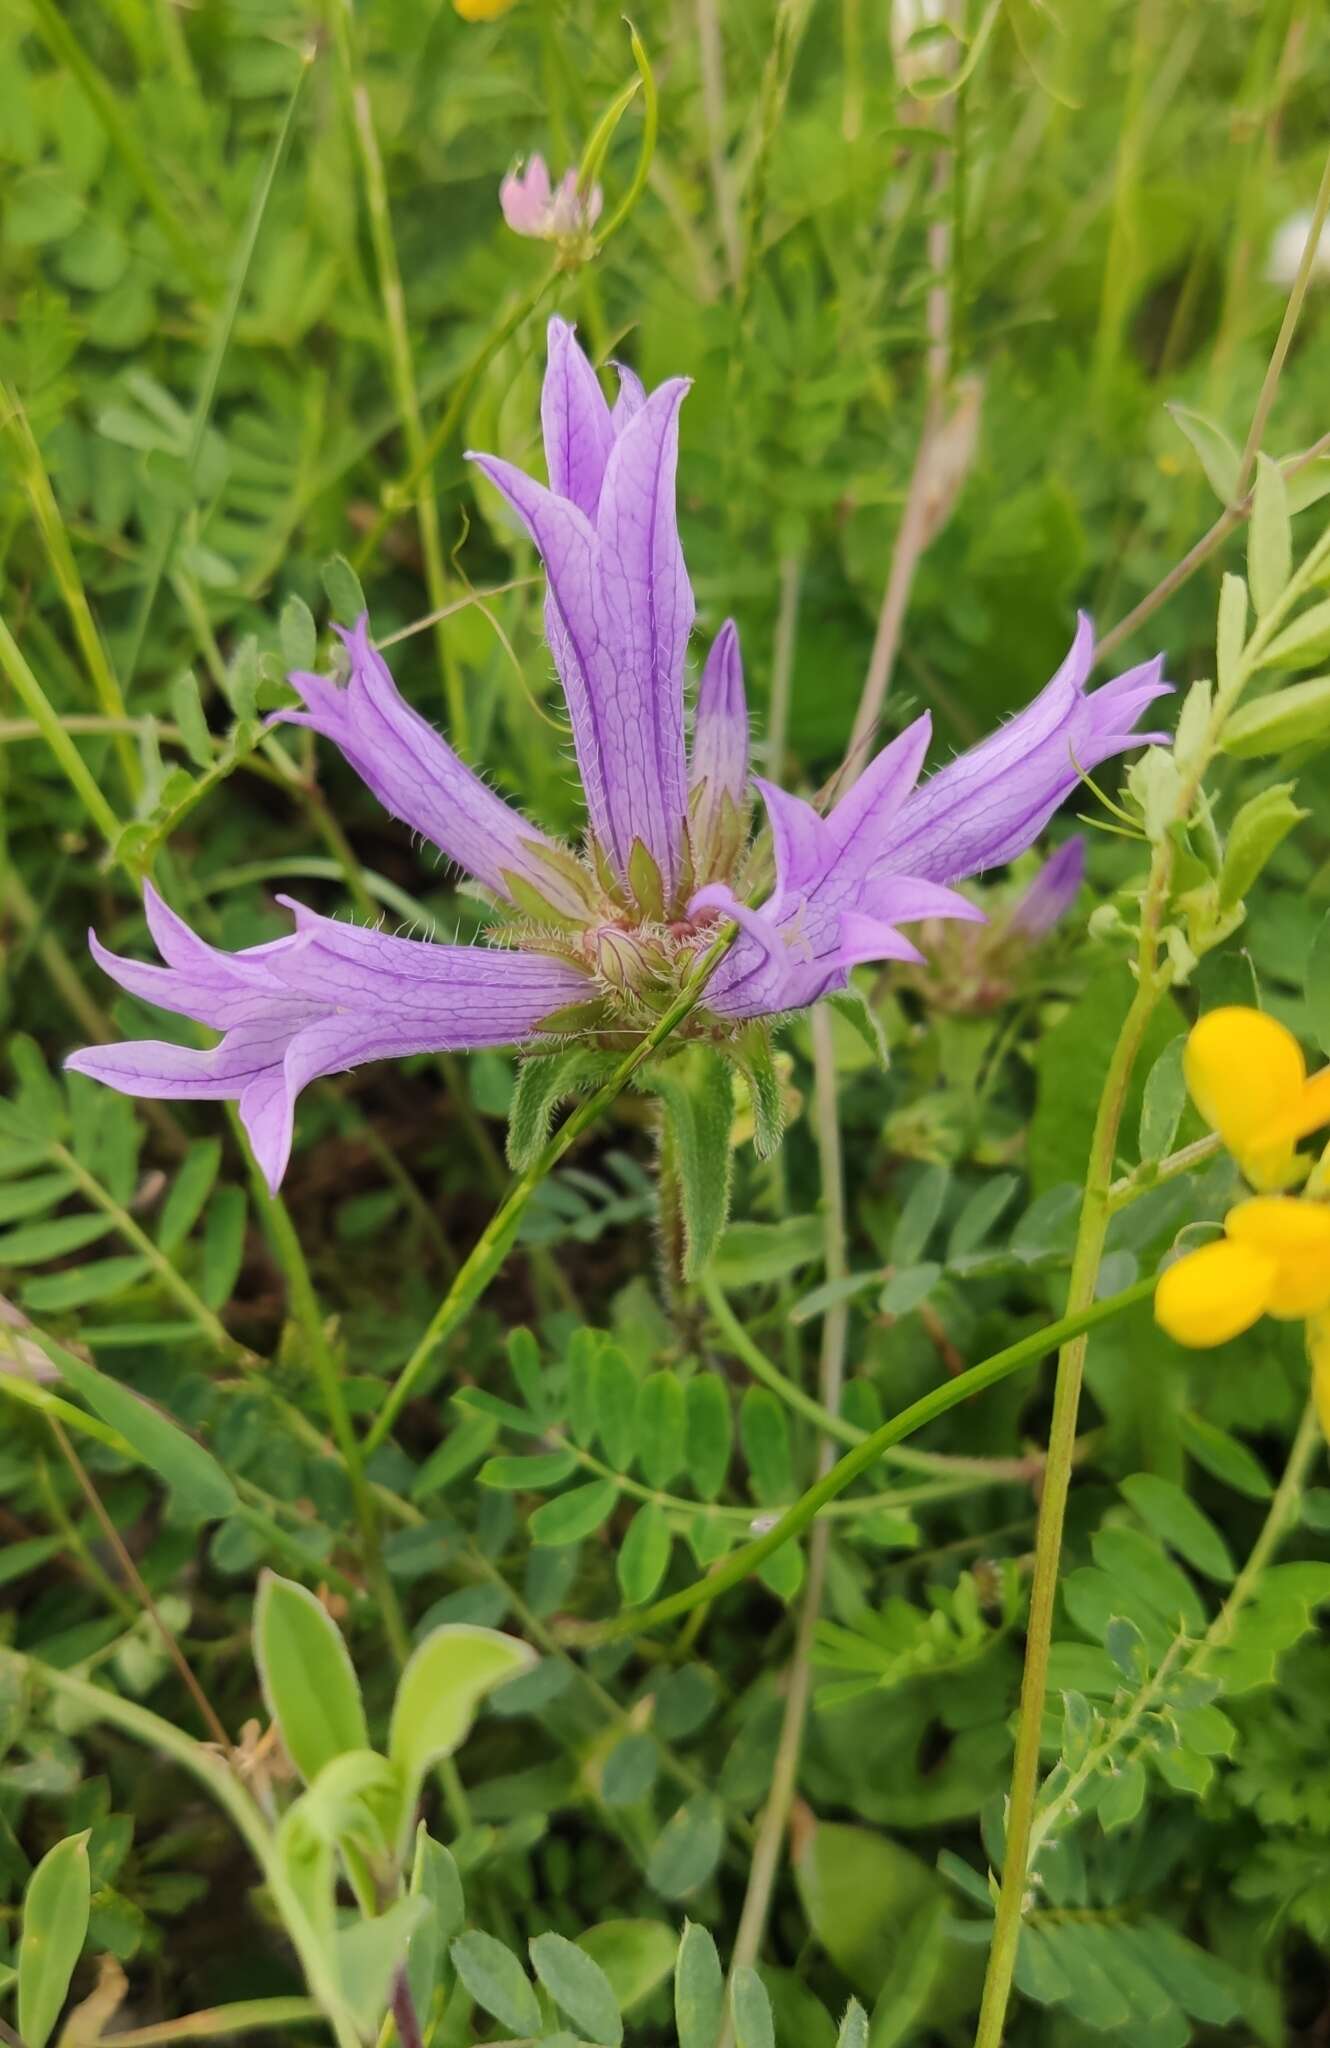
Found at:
<point>720,733</point>
<point>802,840</point>
<point>617,619</point>
<point>906,899</point>
<point>330,997</point>
<point>414,774</point>
<point>868,938</point>
<point>649,610</point>
<point>865,811</point>
<point>995,800</point>
<point>525,198</point>
<point>632,397</point>
<point>575,419</point>
<point>1052,892</point>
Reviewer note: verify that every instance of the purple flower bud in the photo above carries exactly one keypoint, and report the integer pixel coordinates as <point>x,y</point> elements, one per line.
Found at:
<point>1052,892</point>
<point>559,214</point>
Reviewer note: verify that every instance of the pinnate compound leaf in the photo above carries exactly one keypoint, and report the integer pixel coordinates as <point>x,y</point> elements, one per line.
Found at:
<point>308,1679</point>
<point>55,1922</point>
<point>579,1987</point>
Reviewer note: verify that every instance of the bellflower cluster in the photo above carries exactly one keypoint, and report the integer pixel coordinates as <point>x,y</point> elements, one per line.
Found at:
<point>599,943</point>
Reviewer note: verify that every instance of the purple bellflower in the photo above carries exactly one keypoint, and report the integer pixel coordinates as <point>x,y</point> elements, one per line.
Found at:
<point>599,943</point>
<point>1052,892</point>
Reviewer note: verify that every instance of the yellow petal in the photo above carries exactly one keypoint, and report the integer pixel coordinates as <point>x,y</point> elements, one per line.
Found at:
<point>1215,1293</point>
<point>1296,1234</point>
<point>1318,1350</point>
<point>482,10</point>
<point>1245,1072</point>
<point>1306,1112</point>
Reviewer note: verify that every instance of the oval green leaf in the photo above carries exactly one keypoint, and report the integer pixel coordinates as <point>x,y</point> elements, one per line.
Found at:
<point>579,1987</point>
<point>307,1675</point>
<point>55,1922</point>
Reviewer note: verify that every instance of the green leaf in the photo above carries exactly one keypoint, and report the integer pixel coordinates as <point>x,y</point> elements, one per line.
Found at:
<point>661,1426</point>
<point>434,1878</point>
<point>438,1693</point>
<point>55,1921</point>
<point>635,1955</point>
<point>750,1254</point>
<point>223,1245</point>
<point>754,2026</point>
<point>1164,1100</point>
<point>1253,836</point>
<point>579,1987</point>
<point>193,1474</point>
<point>299,634</point>
<point>852,1004</point>
<point>34,1243</point>
<point>189,1191</point>
<point>980,1213</point>
<point>465,1443</point>
<point>187,711</point>
<point>1122,1797</point>
<point>368,1952</point>
<point>699,1108</point>
<point>308,1679</point>
<point>616,1406</point>
<point>1224,1456</point>
<point>708,1433</point>
<point>688,1847</point>
<point>542,1084</point>
<point>1230,634</point>
<point>528,1475</point>
<point>1177,1521</point>
<point>1302,644</point>
<point>861,1893</point>
<point>572,1516</point>
<point>497,1981</point>
<point>699,1989</point>
<point>918,1218</point>
<point>1218,457</point>
<point>854,2027</point>
<point>1295,717</point>
<point>644,1554</point>
<point>907,1288</point>
<point>1269,537</point>
<point>752,1054</point>
<point>40,1191</point>
<point>77,1286</point>
<point>764,1432</point>
<point>342,585</point>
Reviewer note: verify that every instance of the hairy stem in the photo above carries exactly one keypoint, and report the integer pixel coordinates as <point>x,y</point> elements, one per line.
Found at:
<point>499,1234</point>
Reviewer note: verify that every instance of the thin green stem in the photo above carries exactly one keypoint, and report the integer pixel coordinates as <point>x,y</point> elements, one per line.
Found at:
<point>64,568</point>
<point>497,1238</point>
<point>1091,1233</point>
<point>742,1563</point>
<point>35,702</point>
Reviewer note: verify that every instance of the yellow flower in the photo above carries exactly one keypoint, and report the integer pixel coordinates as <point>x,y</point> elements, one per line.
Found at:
<point>482,10</point>
<point>1246,1074</point>
<point>1273,1260</point>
